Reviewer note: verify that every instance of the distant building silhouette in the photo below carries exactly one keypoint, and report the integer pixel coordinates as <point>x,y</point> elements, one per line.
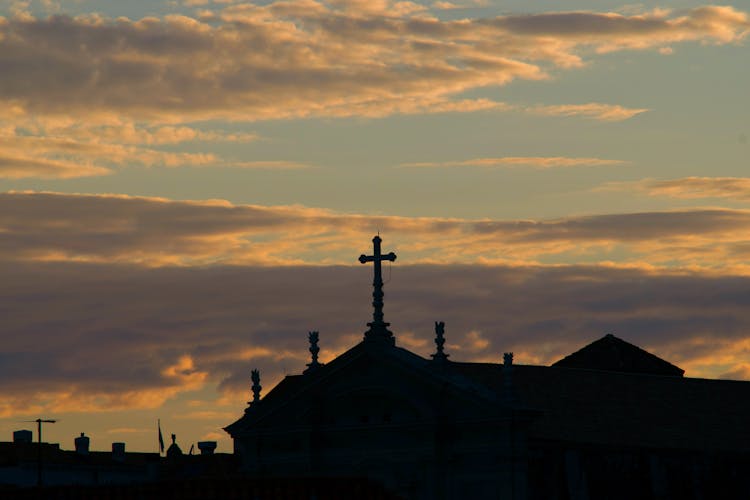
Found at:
<point>608,421</point>
<point>19,462</point>
<point>174,450</point>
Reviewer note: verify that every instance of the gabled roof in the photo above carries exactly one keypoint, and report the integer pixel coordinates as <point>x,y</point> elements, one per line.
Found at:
<point>292,387</point>
<point>609,393</point>
<point>610,353</point>
<point>626,409</point>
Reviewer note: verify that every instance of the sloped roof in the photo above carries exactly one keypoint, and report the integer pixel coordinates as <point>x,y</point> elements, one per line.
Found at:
<point>293,385</point>
<point>627,409</point>
<point>611,353</point>
<point>642,402</point>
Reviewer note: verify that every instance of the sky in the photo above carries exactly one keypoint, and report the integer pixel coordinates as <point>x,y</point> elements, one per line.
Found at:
<point>186,185</point>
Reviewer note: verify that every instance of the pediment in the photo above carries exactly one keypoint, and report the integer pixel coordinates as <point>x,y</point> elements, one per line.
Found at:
<point>611,353</point>
<point>368,384</point>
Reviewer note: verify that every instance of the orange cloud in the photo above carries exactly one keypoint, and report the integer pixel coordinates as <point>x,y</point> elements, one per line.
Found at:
<point>61,150</point>
<point>735,188</point>
<point>533,161</point>
<point>123,87</point>
<point>18,165</point>
<point>48,227</point>
<point>269,164</point>
<point>79,397</point>
<point>740,371</point>
<point>597,111</point>
<point>334,59</point>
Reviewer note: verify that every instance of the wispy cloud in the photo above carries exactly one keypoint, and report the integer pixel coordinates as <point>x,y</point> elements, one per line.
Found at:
<point>17,165</point>
<point>59,151</point>
<point>513,161</point>
<point>270,164</point>
<point>734,188</point>
<point>594,110</point>
<point>128,430</point>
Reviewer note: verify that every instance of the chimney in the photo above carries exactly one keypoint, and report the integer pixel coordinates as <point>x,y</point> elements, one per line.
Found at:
<point>118,452</point>
<point>509,392</point>
<point>23,436</point>
<point>207,447</point>
<point>82,444</point>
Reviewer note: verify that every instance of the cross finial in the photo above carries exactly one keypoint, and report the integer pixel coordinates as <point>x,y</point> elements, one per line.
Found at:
<point>378,327</point>
<point>440,355</point>
<point>312,337</point>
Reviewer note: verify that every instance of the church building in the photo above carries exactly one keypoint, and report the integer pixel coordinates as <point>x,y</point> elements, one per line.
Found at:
<point>608,421</point>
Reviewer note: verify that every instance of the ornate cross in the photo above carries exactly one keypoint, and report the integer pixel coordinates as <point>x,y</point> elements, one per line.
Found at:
<point>378,328</point>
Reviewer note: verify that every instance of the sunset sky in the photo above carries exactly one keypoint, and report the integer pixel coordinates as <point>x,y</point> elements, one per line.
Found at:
<point>185,187</point>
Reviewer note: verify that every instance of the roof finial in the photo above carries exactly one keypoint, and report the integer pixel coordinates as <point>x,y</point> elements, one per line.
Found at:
<point>174,450</point>
<point>440,355</point>
<point>378,328</point>
<point>312,337</point>
<point>508,359</point>
<point>255,377</point>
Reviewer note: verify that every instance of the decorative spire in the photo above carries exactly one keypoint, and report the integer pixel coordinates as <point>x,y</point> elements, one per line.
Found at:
<point>378,328</point>
<point>255,377</point>
<point>312,337</point>
<point>440,355</point>
<point>174,451</point>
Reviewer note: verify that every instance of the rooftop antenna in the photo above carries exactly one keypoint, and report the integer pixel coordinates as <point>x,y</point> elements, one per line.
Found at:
<point>39,422</point>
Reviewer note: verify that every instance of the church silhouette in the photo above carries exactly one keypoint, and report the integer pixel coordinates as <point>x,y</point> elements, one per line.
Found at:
<point>608,421</point>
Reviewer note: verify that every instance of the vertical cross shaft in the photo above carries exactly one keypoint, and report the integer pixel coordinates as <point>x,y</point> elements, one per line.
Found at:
<point>378,328</point>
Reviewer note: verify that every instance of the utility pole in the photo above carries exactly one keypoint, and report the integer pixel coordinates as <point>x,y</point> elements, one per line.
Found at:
<point>39,422</point>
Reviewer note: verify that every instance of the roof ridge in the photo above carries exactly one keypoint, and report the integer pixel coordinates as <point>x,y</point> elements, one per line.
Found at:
<point>611,353</point>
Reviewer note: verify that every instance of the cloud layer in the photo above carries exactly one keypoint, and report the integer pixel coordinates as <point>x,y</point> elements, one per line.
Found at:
<point>114,302</point>
<point>731,188</point>
<point>81,96</point>
<point>304,58</point>
<point>83,337</point>
<point>595,110</point>
<point>38,227</point>
<point>512,161</point>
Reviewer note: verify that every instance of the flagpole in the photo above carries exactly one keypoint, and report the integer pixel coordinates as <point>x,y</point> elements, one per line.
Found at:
<point>161,438</point>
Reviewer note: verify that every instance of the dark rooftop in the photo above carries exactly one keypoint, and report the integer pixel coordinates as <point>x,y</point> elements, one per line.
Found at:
<point>16,453</point>
<point>627,409</point>
<point>628,398</point>
<point>610,353</point>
